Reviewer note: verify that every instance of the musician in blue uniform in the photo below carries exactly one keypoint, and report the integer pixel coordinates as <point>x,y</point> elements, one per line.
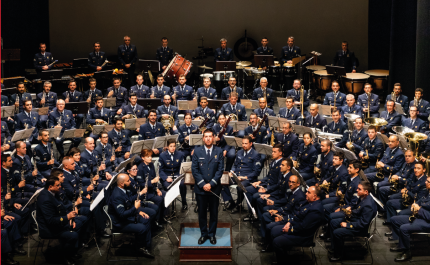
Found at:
<point>413,191</point>
<point>362,214</point>
<point>185,130</point>
<point>357,137</point>
<point>96,58</point>
<point>228,151</point>
<point>153,129</point>
<point>367,101</point>
<point>207,168</point>
<point>153,193</point>
<point>223,53</point>
<point>164,54</point>
<point>206,91</point>
<point>127,57</point>
<point>98,115</point>
<point>263,110</point>
<point>337,176</point>
<point>83,170</point>
<point>9,236</point>
<point>306,158</point>
<point>202,112</point>
<point>225,94</point>
<point>22,96</point>
<point>46,99</point>
<point>290,112</point>
<point>74,96</point>
<point>90,162</point>
<point>335,97</point>
<point>55,222</point>
<point>351,107</point>
<point>314,120</point>
<point>386,189</point>
<point>44,156</point>
<point>391,162</point>
<point>4,99</point>
<point>128,216</point>
<point>247,167</point>
<point>264,49</point>
<point>91,94</point>
<point>404,225</point>
<point>337,126</point>
<point>118,92</point>
<point>119,139</point>
<point>62,118</point>
<point>345,58</point>
<point>399,97</point>
<point>160,90</point>
<point>372,150</point>
<point>413,122</point>
<point>133,109</point>
<point>182,91</point>
<point>290,51</point>
<point>261,135</point>
<point>326,161</point>
<point>140,89</point>
<point>264,92</point>
<point>289,140</point>
<point>233,107</point>
<point>423,105</point>
<point>29,119</point>
<point>170,164</point>
<point>167,110</point>
<point>105,153</point>
<point>23,169</point>
<point>72,186</point>
<point>300,228</point>
<point>392,117</point>
<point>42,60</point>
<point>6,137</point>
<point>295,93</point>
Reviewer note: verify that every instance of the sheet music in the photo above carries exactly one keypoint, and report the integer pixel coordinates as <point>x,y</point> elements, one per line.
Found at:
<point>185,167</point>
<point>148,144</point>
<point>136,147</point>
<point>196,139</point>
<point>171,194</point>
<point>33,198</point>
<point>252,209</point>
<point>97,200</point>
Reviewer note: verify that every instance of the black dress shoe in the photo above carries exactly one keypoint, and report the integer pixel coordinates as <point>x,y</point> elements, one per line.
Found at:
<point>405,256</point>
<point>184,207</point>
<point>213,240</point>
<point>8,259</point>
<point>231,205</point>
<point>19,251</point>
<point>334,259</point>
<point>196,209</point>
<point>389,234</point>
<point>157,225</point>
<point>396,249</point>
<point>202,240</point>
<point>386,223</point>
<point>391,238</point>
<point>322,236</point>
<point>144,252</point>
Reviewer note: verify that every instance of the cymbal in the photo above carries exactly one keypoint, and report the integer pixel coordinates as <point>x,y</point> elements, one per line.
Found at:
<point>240,67</point>
<point>204,67</point>
<point>243,63</point>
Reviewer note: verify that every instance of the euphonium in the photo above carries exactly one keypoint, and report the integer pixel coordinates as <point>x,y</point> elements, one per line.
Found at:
<point>413,215</point>
<point>394,184</point>
<point>167,123</point>
<point>90,126</point>
<point>232,116</point>
<point>380,173</point>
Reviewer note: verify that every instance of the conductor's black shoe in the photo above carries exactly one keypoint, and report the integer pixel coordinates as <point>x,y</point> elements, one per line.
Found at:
<point>213,240</point>
<point>396,249</point>
<point>157,225</point>
<point>202,239</point>
<point>334,259</point>
<point>19,251</point>
<point>389,234</point>
<point>386,223</point>
<point>322,236</point>
<point>405,256</point>
<point>231,205</point>
<point>184,207</point>
<point>144,252</point>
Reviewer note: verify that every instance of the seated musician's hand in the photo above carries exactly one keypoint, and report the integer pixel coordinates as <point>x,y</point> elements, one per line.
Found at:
<point>270,202</point>
<point>17,206</point>
<point>119,111</point>
<point>96,177</point>
<point>127,65</point>
<point>169,179</point>
<point>71,215</point>
<point>361,154</point>
<point>159,193</point>
<point>217,138</point>
<point>155,151</point>
<point>262,190</point>
<point>327,196</point>
<point>224,153</point>
<point>144,191</point>
<point>348,208</point>
<point>207,187</point>
<point>286,227</point>
<point>99,68</point>
<point>45,67</point>
<point>9,119</point>
<point>192,153</point>
<point>144,215</point>
<point>78,201</point>
<point>136,204</point>
<point>354,71</point>
<point>21,184</point>
<point>108,176</point>
<point>9,218</point>
<point>112,158</point>
<point>339,192</point>
<point>8,196</point>
<point>395,177</point>
<point>102,167</point>
<point>88,197</point>
<point>337,210</point>
<point>43,180</point>
<point>343,224</point>
<point>127,155</point>
<point>252,136</point>
<point>278,219</point>
<point>5,147</point>
<point>110,94</point>
<point>90,188</point>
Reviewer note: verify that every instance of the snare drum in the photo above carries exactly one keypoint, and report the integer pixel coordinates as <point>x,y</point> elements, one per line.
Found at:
<point>313,68</point>
<point>210,76</point>
<point>354,82</point>
<point>258,74</point>
<point>223,75</point>
<point>379,78</point>
<point>322,80</point>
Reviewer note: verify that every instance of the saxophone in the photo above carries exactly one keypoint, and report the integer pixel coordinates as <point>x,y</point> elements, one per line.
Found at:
<point>17,101</point>
<point>272,138</point>
<point>413,215</point>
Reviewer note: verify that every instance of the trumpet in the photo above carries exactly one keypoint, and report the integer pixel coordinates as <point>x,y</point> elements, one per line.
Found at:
<point>17,102</point>
<point>341,196</point>
<point>406,200</point>
<point>394,184</point>
<point>365,160</point>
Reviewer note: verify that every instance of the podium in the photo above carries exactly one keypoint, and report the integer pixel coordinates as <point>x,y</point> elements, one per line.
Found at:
<point>190,250</point>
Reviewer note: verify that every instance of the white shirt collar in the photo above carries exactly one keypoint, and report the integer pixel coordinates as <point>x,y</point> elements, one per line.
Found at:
<point>122,189</point>
<point>210,149</point>
<point>294,191</point>
<point>7,170</point>
<point>91,153</point>
<point>67,171</point>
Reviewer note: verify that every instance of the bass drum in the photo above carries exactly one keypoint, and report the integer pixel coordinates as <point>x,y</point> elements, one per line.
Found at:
<point>379,78</point>
<point>177,67</point>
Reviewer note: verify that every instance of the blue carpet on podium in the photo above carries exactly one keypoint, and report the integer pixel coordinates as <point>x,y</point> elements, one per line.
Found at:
<point>190,236</point>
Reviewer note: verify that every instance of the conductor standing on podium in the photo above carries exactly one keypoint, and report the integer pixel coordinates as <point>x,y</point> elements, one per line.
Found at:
<point>207,169</point>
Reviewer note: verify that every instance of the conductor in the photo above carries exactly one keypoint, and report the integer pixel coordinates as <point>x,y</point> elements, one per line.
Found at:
<point>207,169</point>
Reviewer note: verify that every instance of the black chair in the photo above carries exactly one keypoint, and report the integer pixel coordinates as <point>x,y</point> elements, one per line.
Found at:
<point>114,233</point>
<point>41,240</point>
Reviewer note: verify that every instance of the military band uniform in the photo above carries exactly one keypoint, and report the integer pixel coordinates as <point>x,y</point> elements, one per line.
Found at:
<point>375,150</point>
<point>267,94</point>
<point>296,95</point>
<point>393,161</point>
<point>225,93</point>
<point>401,99</point>
<point>209,93</point>
<point>423,108</point>
<point>264,50</point>
<point>205,113</point>
<point>224,54</point>
<point>345,59</point>
<point>307,155</point>
<point>329,99</point>
<point>75,96</point>
<point>164,55</point>
<point>42,154</point>
<point>355,109</point>
<point>170,164</point>
<point>185,131</point>
<point>103,114</point>
<point>120,138</point>
<point>417,125</point>
<point>67,122</point>
<point>160,92</point>
<point>50,101</point>
<point>172,111</point>
<point>290,143</point>
<point>288,53</point>
<point>96,59</point>
<point>363,101</point>
<point>128,55</point>
<point>141,91</point>
<point>94,93</point>
<point>290,114</point>
<point>121,95</point>
<point>21,98</point>
<point>41,60</point>
<point>315,122</point>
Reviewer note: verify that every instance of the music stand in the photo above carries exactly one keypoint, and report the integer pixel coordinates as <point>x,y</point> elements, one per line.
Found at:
<point>161,142</point>
<point>41,111</point>
<point>195,139</point>
<point>136,147</point>
<point>80,62</point>
<point>74,133</point>
<point>98,129</point>
<point>238,125</point>
<point>8,91</point>
<point>133,124</point>
<point>148,65</point>
<point>77,107</point>
<point>324,110</point>
<point>109,102</point>
<point>51,74</point>
<point>32,199</point>
<point>399,109</point>
<point>187,104</point>
<point>12,81</point>
<point>7,111</point>
<point>149,103</point>
<point>233,141</point>
<point>250,104</point>
<point>54,132</point>
<point>11,55</point>
<point>216,104</point>
<point>263,149</point>
<point>185,167</point>
<point>22,134</point>
<point>225,66</point>
<point>297,60</point>
<point>264,60</point>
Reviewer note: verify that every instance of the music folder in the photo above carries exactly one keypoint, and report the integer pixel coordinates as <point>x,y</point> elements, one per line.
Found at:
<point>150,103</point>
<point>335,70</point>
<point>7,111</point>
<point>136,147</point>
<point>263,149</point>
<point>250,104</point>
<point>54,132</point>
<point>324,110</point>
<point>33,198</point>
<point>78,107</point>
<point>233,141</point>
<point>97,129</point>
<point>273,122</point>
<point>196,139</point>
<point>399,108</point>
<point>185,167</point>
<point>109,102</point>
<point>123,164</point>
<point>133,124</point>
<point>238,125</point>
<point>187,104</point>
<point>161,142</point>
<point>41,111</point>
<point>281,102</point>
<point>22,134</point>
<point>73,133</point>
<point>148,144</point>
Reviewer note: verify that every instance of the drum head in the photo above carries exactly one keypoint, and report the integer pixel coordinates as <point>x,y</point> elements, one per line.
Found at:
<point>356,76</point>
<point>315,67</point>
<point>378,72</point>
<point>322,73</point>
<point>206,75</point>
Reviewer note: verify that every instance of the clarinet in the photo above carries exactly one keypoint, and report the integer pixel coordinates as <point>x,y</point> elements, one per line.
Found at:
<point>17,101</point>
<point>52,152</point>
<point>137,198</point>
<point>22,178</point>
<point>146,187</point>
<point>35,168</point>
<point>8,190</point>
